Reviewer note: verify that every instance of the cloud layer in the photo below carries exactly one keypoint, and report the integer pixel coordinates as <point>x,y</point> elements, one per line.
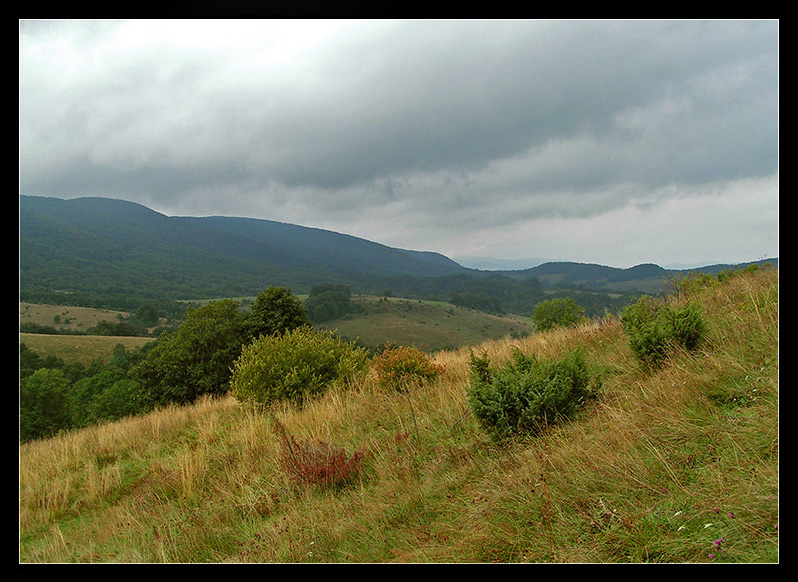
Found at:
<point>615,142</point>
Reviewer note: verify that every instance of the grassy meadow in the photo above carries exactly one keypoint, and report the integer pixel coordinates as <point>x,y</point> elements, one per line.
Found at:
<point>66,318</point>
<point>429,325</point>
<point>675,466</point>
<point>82,349</point>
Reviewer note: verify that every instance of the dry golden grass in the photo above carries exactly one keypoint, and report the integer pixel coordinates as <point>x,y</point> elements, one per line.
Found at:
<point>651,472</point>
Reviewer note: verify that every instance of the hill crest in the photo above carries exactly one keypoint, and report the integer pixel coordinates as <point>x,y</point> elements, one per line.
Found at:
<point>106,246</point>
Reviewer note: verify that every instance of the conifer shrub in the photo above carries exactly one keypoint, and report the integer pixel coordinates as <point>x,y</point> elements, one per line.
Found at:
<point>654,328</point>
<point>526,395</point>
<point>401,367</point>
<point>295,365</point>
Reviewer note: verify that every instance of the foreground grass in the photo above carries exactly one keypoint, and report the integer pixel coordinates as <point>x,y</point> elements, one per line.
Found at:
<point>676,466</point>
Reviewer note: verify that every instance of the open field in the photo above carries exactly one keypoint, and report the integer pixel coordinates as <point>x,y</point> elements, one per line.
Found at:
<point>676,466</point>
<point>82,349</point>
<point>430,325</point>
<point>66,317</point>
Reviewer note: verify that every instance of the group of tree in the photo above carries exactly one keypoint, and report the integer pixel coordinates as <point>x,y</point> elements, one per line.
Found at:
<point>54,395</point>
<point>329,301</point>
<point>478,301</point>
<point>177,367</point>
<point>197,359</point>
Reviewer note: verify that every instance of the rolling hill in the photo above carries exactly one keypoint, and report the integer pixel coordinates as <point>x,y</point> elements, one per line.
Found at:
<point>73,251</point>
<point>97,245</point>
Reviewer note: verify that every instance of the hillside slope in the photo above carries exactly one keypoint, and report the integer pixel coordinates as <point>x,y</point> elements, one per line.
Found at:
<point>76,251</point>
<point>112,246</point>
<point>680,465</point>
<point>428,325</point>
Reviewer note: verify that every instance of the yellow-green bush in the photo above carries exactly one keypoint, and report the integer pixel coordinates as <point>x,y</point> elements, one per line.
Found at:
<point>295,365</point>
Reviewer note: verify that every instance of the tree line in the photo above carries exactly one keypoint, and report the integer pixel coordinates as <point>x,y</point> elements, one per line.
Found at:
<point>177,367</point>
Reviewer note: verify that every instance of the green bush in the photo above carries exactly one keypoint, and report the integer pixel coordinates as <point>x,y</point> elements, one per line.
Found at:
<point>400,367</point>
<point>296,365</point>
<point>654,328</point>
<point>526,394</point>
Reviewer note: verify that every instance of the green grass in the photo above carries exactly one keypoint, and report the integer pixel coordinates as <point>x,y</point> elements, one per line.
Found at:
<point>81,349</point>
<point>663,465</point>
<point>432,325</point>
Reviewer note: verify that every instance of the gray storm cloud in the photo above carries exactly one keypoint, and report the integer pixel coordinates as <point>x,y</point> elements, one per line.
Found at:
<point>368,125</point>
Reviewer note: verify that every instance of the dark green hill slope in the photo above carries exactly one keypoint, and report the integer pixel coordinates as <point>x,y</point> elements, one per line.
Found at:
<point>111,253</point>
<point>112,247</point>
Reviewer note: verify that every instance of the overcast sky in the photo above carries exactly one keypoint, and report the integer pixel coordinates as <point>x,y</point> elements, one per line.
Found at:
<point>611,142</point>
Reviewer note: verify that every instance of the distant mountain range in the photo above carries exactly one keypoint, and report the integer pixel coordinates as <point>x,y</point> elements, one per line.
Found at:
<point>110,247</point>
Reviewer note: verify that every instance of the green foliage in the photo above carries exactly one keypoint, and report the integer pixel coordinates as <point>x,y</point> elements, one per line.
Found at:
<point>97,393</point>
<point>527,394</point>
<point>119,400</point>
<point>275,310</point>
<point>196,359</point>
<point>478,301</point>
<point>654,328</point>
<point>107,395</point>
<point>400,367</point>
<point>558,312</point>
<point>327,302</point>
<point>43,404</point>
<point>294,366</point>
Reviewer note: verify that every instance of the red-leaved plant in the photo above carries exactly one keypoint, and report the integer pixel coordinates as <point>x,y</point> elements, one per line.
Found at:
<point>317,462</point>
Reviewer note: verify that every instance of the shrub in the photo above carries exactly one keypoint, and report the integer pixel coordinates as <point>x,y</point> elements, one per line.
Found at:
<point>526,394</point>
<point>316,462</point>
<point>295,365</point>
<point>654,327</point>
<point>400,367</point>
<point>327,302</point>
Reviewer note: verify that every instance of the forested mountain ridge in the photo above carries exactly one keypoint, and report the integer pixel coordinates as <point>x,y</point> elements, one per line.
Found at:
<point>109,246</point>
<point>89,248</point>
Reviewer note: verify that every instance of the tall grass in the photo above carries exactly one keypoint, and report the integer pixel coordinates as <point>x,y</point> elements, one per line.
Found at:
<point>676,465</point>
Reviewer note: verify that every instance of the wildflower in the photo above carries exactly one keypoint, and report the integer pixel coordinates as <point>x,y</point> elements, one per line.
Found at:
<point>731,514</point>
<point>715,509</point>
<point>717,542</point>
